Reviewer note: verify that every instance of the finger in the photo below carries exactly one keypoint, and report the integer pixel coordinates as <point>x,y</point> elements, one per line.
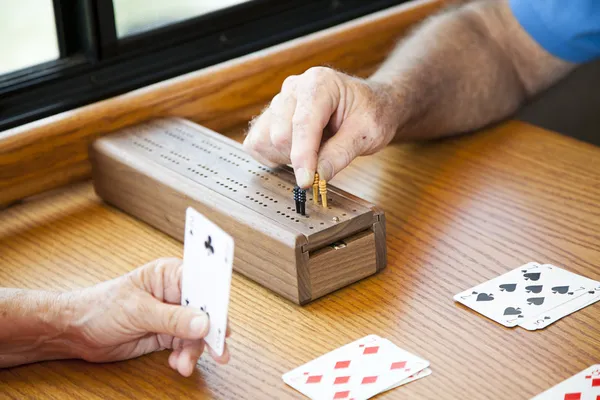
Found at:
<point>174,359</point>
<point>220,359</point>
<point>339,151</point>
<point>258,142</point>
<point>162,279</point>
<point>315,103</point>
<point>228,331</point>
<point>191,352</point>
<point>183,322</point>
<point>282,109</point>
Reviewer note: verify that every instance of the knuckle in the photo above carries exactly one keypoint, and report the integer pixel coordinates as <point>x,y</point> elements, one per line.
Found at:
<point>280,139</point>
<point>344,154</point>
<point>300,119</point>
<point>174,321</point>
<point>317,72</point>
<point>252,144</point>
<point>300,156</point>
<point>289,83</point>
<point>276,101</point>
<point>315,76</point>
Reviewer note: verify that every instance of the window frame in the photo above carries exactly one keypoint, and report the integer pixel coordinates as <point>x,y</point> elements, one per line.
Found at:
<point>96,65</point>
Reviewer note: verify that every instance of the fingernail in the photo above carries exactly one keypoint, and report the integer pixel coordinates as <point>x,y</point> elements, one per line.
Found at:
<point>198,325</point>
<point>325,170</point>
<point>304,178</point>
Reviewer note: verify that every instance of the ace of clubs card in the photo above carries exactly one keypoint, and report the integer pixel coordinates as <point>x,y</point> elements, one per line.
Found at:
<point>207,267</point>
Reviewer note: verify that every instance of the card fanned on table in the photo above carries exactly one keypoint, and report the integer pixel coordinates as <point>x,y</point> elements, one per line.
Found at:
<point>583,386</point>
<point>532,296</point>
<point>358,370</point>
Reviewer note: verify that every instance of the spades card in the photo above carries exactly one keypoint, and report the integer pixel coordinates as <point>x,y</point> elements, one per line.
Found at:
<point>524,292</point>
<point>544,319</point>
<point>583,386</point>
<point>207,268</point>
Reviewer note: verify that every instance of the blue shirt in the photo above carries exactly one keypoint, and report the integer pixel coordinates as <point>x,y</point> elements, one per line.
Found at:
<point>567,29</point>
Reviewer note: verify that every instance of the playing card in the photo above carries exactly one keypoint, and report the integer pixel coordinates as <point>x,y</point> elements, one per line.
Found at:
<point>524,292</point>
<point>544,319</point>
<point>358,370</point>
<point>421,374</point>
<point>207,268</point>
<point>583,386</point>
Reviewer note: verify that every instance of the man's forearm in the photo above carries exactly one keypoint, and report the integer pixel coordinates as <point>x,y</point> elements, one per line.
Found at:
<point>464,69</point>
<point>33,326</point>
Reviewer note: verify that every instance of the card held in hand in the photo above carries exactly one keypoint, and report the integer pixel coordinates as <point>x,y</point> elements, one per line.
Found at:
<point>207,267</point>
<point>359,370</point>
<point>583,386</point>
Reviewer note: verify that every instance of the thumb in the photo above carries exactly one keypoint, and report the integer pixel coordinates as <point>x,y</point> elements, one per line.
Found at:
<point>339,151</point>
<point>175,320</point>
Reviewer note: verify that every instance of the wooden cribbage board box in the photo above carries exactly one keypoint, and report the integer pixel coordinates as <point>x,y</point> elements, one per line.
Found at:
<point>155,170</point>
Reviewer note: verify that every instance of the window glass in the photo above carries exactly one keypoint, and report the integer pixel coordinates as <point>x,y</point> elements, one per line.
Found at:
<point>137,16</point>
<point>27,34</point>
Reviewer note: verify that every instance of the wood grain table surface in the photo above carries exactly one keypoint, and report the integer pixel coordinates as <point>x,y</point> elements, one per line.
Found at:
<point>459,211</point>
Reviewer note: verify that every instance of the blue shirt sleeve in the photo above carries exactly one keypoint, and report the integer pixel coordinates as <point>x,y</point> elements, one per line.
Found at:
<point>567,29</point>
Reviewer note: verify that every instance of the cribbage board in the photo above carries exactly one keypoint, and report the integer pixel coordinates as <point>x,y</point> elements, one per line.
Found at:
<point>155,170</point>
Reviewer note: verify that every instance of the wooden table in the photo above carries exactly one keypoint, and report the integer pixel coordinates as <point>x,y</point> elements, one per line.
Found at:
<point>459,211</point>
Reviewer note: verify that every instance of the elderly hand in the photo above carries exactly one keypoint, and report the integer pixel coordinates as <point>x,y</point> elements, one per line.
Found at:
<point>322,120</point>
<point>139,313</point>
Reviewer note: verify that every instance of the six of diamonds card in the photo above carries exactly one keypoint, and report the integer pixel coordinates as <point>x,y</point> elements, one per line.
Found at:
<point>583,386</point>
<point>359,370</point>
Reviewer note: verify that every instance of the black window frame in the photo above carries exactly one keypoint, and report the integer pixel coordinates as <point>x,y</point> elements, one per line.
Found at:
<point>95,64</point>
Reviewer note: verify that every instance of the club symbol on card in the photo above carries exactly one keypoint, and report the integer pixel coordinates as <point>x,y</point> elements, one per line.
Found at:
<point>536,301</point>
<point>203,308</point>
<point>508,287</point>
<point>191,232</point>
<point>485,297</point>
<point>209,246</point>
<point>532,276</point>
<point>187,302</point>
<point>512,311</point>
<point>534,288</point>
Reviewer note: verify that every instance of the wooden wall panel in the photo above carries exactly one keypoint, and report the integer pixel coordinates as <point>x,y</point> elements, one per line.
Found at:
<point>54,151</point>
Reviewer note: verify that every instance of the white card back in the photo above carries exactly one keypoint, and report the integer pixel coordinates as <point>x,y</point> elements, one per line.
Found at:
<point>207,268</point>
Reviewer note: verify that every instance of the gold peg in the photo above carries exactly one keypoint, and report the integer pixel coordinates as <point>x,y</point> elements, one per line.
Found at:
<point>316,189</point>
<point>323,190</point>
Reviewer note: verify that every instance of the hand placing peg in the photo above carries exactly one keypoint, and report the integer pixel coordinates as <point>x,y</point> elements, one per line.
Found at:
<point>323,190</point>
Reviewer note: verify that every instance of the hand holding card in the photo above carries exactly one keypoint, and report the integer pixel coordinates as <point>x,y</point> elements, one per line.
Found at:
<point>207,269</point>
